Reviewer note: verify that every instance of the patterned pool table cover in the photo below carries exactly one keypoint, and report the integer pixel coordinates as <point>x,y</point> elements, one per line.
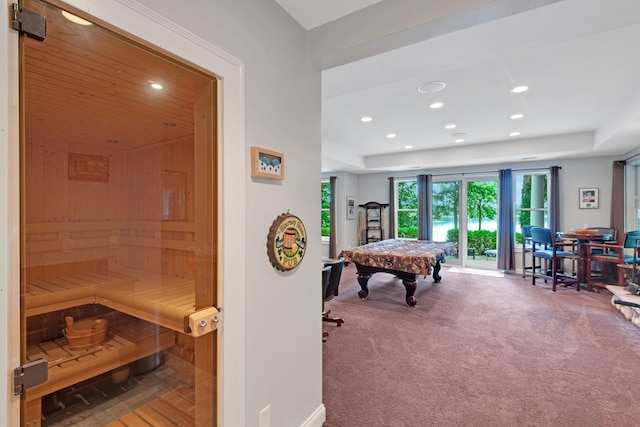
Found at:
<point>411,256</point>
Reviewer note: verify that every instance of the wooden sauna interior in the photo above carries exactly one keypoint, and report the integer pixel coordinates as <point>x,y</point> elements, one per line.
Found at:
<point>118,212</point>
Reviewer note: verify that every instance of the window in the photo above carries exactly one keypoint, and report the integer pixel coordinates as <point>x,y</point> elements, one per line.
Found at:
<point>532,206</point>
<point>632,194</point>
<point>326,209</point>
<point>407,209</point>
<point>446,211</point>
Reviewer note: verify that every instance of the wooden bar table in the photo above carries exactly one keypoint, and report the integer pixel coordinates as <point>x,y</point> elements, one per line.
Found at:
<point>581,237</point>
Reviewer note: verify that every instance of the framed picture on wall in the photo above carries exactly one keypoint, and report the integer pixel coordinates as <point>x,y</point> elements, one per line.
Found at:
<point>266,163</point>
<point>589,198</point>
<point>351,207</point>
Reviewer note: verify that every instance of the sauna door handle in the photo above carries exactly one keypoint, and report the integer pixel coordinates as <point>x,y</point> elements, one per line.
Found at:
<point>203,321</point>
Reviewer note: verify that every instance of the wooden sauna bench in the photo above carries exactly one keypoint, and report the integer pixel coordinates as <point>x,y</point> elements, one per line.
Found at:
<point>128,339</point>
<point>164,300</point>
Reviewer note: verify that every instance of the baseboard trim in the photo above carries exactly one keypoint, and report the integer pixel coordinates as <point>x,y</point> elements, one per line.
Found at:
<point>316,419</point>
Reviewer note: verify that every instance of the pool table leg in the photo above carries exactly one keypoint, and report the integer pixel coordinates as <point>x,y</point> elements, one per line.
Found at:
<point>363,279</point>
<point>410,287</point>
<point>436,272</point>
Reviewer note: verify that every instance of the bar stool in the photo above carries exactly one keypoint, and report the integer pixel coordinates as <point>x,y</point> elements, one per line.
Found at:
<point>550,250</point>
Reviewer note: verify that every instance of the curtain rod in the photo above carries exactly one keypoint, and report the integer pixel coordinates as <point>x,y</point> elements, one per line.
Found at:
<point>478,172</point>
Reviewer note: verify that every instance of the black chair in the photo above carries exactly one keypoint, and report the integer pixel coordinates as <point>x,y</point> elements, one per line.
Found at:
<point>549,250</point>
<point>527,247</point>
<point>332,289</point>
<point>326,273</point>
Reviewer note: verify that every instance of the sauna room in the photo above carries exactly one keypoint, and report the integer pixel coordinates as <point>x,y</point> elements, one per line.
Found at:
<point>118,206</point>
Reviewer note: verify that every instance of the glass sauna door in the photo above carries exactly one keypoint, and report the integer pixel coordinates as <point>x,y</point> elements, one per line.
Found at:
<point>119,229</point>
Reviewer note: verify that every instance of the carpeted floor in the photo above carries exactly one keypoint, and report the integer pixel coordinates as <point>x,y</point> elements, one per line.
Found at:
<point>478,351</point>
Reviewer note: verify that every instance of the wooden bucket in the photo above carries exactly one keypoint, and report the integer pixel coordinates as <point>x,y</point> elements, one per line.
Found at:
<point>85,333</point>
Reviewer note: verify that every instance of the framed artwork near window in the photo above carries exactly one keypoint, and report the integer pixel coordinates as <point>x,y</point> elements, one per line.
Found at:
<point>351,207</point>
<point>589,198</point>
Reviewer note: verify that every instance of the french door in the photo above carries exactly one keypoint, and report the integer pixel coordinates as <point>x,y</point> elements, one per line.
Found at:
<point>118,228</point>
<point>481,222</point>
<point>465,212</point>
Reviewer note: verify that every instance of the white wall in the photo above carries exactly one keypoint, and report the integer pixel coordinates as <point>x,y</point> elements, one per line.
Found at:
<point>279,357</point>
<point>346,230</point>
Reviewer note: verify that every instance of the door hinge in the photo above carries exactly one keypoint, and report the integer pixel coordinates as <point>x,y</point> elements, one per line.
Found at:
<point>29,375</point>
<point>28,22</point>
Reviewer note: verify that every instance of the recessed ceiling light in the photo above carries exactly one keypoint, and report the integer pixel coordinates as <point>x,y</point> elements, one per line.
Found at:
<point>155,85</point>
<point>366,119</point>
<point>431,87</point>
<point>436,105</point>
<point>517,116</point>
<point>514,134</point>
<point>459,137</point>
<point>391,135</point>
<point>450,126</point>
<point>520,89</point>
<point>408,147</point>
<point>75,19</point>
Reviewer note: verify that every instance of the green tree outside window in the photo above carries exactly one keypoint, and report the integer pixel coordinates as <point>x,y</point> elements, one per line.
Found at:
<point>326,209</point>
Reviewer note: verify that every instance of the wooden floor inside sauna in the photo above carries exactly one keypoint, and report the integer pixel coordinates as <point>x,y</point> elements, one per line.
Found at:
<point>162,397</point>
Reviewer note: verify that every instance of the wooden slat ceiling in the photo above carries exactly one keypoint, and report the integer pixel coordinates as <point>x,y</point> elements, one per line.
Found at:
<point>85,85</point>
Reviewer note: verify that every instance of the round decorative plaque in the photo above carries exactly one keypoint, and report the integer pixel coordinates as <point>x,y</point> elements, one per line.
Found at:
<point>286,242</point>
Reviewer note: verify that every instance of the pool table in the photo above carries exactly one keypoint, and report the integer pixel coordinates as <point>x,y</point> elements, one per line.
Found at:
<point>406,259</point>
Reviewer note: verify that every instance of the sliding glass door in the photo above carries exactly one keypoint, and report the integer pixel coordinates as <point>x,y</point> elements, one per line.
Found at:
<point>465,211</point>
<point>482,222</point>
<point>446,215</point>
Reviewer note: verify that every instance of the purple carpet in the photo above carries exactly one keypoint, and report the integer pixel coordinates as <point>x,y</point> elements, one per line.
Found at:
<point>478,351</point>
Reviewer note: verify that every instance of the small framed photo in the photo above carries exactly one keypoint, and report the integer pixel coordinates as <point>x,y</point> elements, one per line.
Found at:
<point>266,163</point>
<point>351,207</point>
<point>589,198</point>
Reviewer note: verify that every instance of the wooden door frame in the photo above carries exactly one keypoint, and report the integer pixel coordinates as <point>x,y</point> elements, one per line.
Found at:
<point>143,24</point>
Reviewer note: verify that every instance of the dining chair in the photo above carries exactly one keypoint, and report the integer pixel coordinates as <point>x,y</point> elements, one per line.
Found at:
<point>621,255</point>
<point>600,270</point>
<point>550,253</point>
<point>332,289</point>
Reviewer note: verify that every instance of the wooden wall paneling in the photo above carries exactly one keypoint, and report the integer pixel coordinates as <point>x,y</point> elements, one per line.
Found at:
<point>178,157</point>
<point>56,193</point>
<point>144,190</point>
<point>98,201</point>
<point>34,156</point>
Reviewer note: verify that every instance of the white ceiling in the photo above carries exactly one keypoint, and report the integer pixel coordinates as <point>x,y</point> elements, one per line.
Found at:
<point>580,59</point>
<point>313,13</point>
